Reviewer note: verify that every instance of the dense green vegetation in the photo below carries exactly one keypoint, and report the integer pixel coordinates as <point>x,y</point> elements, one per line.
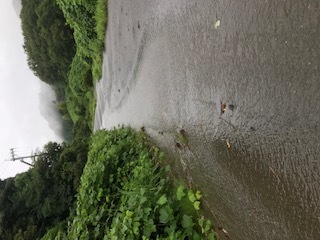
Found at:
<point>39,198</point>
<point>125,194</point>
<point>88,21</point>
<point>110,185</point>
<point>67,56</point>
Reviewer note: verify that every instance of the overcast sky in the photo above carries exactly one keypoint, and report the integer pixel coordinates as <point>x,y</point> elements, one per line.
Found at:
<point>21,124</point>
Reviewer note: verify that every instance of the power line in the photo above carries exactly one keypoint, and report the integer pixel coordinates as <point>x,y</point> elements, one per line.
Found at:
<point>20,154</point>
<point>15,157</point>
<point>4,167</point>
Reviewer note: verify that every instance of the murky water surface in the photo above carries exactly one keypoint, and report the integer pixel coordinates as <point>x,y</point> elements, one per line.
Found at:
<point>170,64</point>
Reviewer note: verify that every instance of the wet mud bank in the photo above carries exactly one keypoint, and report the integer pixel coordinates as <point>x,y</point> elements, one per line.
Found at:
<point>242,79</point>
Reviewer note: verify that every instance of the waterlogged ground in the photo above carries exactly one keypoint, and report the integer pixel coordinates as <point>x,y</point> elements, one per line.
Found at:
<point>242,79</point>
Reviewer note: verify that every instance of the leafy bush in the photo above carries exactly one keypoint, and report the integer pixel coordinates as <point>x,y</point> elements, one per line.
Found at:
<point>88,20</point>
<point>125,194</point>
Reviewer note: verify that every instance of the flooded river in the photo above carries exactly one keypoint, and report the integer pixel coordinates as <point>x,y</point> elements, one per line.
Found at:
<point>242,78</point>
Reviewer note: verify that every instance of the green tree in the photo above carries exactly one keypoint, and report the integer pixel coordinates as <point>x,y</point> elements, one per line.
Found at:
<point>48,41</point>
<point>36,200</point>
<point>7,189</point>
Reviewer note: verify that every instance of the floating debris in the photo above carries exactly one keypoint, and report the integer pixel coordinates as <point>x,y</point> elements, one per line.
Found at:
<point>228,144</point>
<point>223,107</point>
<point>217,24</point>
<point>224,231</point>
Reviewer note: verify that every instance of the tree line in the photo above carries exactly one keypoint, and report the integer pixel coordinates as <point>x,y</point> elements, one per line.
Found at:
<point>38,199</point>
<point>63,49</point>
<point>34,201</point>
<point>48,41</point>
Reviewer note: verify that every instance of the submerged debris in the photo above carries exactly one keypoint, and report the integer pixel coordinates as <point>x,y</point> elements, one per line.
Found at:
<point>177,144</point>
<point>181,138</point>
<point>223,107</point>
<point>183,132</point>
<point>231,107</point>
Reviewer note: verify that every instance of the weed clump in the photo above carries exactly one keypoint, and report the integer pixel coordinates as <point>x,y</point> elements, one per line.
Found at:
<point>125,194</point>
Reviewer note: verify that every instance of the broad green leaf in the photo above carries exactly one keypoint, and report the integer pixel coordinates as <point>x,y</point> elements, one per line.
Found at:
<point>142,191</point>
<point>162,200</point>
<point>196,236</point>
<point>211,236</point>
<point>149,229</point>
<point>198,194</point>
<point>180,192</point>
<point>196,205</point>
<point>147,211</point>
<point>129,214</point>
<point>191,196</point>
<point>207,225</point>
<point>124,228</point>
<point>171,229</point>
<point>164,216</point>
<point>143,200</point>
<point>135,228</point>
<point>186,221</point>
<point>201,221</point>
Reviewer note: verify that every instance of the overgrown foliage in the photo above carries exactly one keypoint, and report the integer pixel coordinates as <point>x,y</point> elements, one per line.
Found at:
<point>88,20</point>
<point>67,56</point>
<point>67,59</point>
<point>35,200</point>
<point>125,194</point>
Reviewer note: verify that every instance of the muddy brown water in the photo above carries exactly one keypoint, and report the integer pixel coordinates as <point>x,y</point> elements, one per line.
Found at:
<point>170,64</point>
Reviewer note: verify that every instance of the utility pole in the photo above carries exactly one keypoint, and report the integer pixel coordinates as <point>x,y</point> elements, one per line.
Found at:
<point>22,159</point>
